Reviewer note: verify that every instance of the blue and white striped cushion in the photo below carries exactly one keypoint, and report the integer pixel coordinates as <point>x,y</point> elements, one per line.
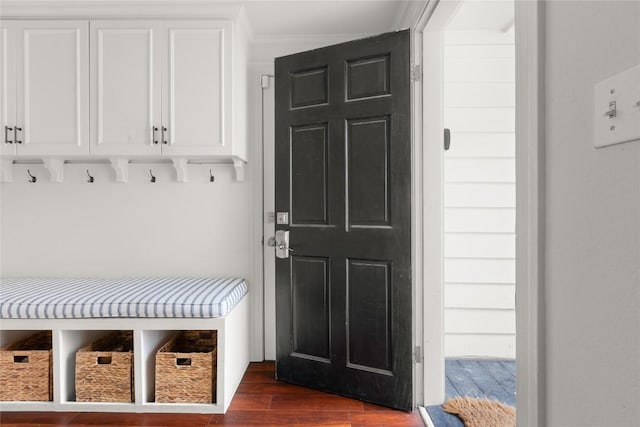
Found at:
<point>48,298</point>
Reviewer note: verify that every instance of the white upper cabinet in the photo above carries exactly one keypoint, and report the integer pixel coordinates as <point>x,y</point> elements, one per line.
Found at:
<point>196,87</point>
<point>51,60</point>
<point>125,87</point>
<point>7,88</point>
<point>161,87</point>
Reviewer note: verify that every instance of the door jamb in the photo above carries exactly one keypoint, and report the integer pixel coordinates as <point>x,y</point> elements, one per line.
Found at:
<point>530,214</point>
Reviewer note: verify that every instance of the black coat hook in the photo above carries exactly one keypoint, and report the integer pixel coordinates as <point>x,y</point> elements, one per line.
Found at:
<point>211,177</point>
<point>91,179</point>
<point>153,178</point>
<point>33,178</point>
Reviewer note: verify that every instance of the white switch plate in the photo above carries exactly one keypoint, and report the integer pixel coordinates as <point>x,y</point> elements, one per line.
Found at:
<point>624,90</point>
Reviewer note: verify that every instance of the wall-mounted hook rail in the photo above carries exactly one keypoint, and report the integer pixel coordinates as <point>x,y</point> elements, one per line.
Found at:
<point>32,178</point>
<point>180,165</point>
<point>211,177</point>
<point>91,179</point>
<point>55,167</point>
<point>153,178</point>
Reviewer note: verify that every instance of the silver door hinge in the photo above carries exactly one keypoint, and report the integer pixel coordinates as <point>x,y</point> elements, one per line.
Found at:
<point>417,354</point>
<point>416,72</point>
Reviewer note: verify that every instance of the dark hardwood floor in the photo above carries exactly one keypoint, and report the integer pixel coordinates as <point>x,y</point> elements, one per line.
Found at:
<point>260,401</point>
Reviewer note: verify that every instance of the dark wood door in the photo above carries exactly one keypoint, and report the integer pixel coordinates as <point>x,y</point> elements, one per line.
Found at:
<point>343,173</point>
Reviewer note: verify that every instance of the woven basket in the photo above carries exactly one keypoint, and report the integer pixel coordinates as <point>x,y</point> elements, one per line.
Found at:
<point>104,369</point>
<point>25,369</point>
<point>186,368</point>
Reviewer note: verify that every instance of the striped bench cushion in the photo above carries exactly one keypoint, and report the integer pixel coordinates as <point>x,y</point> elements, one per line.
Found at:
<point>48,298</point>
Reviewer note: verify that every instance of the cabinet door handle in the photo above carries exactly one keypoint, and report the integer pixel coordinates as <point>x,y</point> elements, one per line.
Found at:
<point>154,138</point>
<point>7,129</point>
<point>164,140</point>
<point>15,134</point>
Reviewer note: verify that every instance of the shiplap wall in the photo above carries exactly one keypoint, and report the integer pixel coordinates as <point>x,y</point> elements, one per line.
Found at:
<point>479,98</point>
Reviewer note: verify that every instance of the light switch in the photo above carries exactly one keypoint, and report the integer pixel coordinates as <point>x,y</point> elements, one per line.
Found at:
<point>617,108</point>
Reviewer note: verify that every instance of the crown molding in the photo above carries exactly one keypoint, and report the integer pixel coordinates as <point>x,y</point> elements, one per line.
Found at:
<point>120,9</point>
<point>408,15</point>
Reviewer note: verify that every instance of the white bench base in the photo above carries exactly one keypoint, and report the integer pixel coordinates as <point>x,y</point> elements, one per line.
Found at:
<point>69,335</point>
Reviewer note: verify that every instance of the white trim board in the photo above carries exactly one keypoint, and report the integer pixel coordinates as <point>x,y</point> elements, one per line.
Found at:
<point>530,213</point>
<point>123,9</point>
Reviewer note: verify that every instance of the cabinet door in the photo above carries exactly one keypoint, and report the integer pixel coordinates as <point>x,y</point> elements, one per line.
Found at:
<point>52,87</point>
<point>125,87</point>
<point>196,101</point>
<point>7,87</point>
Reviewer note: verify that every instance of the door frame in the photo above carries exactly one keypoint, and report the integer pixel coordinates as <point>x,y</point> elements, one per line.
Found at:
<point>530,344</point>
<point>530,182</point>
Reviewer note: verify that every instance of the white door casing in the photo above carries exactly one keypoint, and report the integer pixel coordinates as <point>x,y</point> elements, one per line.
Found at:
<point>530,348</point>
<point>52,92</point>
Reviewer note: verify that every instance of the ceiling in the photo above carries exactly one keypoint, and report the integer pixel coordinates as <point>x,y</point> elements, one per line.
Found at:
<point>337,17</point>
<point>313,17</point>
<point>480,15</point>
<point>317,17</point>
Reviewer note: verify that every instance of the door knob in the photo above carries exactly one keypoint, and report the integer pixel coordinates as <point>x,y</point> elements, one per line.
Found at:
<point>281,242</point>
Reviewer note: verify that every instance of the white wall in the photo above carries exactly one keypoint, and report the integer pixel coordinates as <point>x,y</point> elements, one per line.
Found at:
<point>110,229</point>
<point>479,194</point>
<point>592,223</point>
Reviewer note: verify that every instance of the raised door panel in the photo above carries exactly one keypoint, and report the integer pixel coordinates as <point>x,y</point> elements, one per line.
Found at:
<point>196,102</point>
<point>311,317</point>
<point>367,150</point>
<point>369,316</point>
<point>125,88</point>
<point>52,87</point>
<point>7,87</point>
<point>309,151</point>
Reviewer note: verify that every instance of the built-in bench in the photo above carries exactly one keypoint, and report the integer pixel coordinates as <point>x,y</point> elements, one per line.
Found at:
<point>78,311</point>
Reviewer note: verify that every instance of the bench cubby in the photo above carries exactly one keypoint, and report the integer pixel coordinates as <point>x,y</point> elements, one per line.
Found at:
<point>149,334</point>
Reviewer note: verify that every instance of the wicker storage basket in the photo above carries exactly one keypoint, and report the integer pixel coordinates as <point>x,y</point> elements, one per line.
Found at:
<point>25,369</point>
<point>104,369</point>
<point>186,368</point>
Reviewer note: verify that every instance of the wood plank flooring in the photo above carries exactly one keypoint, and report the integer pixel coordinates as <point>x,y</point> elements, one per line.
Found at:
<point>260,401</point>
<point>494,379</point>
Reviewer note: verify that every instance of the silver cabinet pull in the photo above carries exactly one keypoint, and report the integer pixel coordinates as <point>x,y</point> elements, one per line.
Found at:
<point>7,129</point>
<point>154,138</point>
<point>164,140</point>
<point>15,134</point>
